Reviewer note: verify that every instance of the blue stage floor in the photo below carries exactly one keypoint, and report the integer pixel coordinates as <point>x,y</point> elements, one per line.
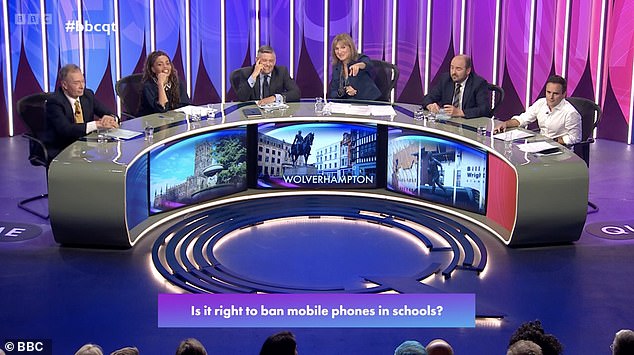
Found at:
<point>582,292</point>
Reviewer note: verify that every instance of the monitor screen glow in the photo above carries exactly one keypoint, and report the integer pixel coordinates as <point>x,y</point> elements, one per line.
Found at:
<point>437,169</point>
<point>197,169</point>
<point>316,155</point>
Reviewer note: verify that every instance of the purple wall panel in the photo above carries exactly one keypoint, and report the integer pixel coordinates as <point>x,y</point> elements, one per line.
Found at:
<point>68,41</point>
<point>620,51</point>
<point>342,19</point>
<point>32,39</point>
<point>239,36</point>
<point>309,47</point>
<point>276,16</point>
<point>23,78</point>
<point>480,36</point>
<point>134,37</point>
<point>455,20</point>
<point>15,35</point>
<point>196,29</point>
<point>407,40</point>
<point>422,46</point>
<point>377,22</point>
<point>581,44</point>
<point>578,47</point>
<point>170,32</point>
<point>543,52</point>
<point>595,40</point>
<point>206,51</point>
<point>516,41</point>
<point>4,103</point>
<point>99,48</point>
<point>442,45</point>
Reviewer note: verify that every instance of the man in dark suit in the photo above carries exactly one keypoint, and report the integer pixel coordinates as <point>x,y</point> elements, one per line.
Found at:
<point>461,92</point>
<point>71,111</point>
<point>278,87</point>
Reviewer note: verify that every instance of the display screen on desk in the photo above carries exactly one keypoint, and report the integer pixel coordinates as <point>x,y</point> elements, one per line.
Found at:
<point>198,168</point>
<point>436,169</point>
<point>316,155</point>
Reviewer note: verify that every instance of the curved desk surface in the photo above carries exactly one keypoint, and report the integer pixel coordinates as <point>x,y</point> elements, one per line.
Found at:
<point>530,199</point>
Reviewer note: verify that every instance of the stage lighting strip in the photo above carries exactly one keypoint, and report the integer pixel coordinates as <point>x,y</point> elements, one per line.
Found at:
<point>183,253</point>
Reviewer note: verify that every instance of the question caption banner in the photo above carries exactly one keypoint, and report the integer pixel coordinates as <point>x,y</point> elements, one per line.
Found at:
<point>317,310</point>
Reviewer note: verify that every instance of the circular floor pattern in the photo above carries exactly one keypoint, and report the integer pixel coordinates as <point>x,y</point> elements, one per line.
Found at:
<point>314,244</point>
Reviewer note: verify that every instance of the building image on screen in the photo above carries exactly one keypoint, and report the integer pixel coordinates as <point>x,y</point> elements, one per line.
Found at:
<point>316,155</point>
<point>436,169</point>
<point>197,169</point>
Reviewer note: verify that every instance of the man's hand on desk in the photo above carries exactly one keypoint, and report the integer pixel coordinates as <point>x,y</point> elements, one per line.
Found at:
<point>453,111</point>
<point>433,107</point>
<point>266,100</point>
<point>107,122</point>
<point>500,128</point>
<point>506,124</point>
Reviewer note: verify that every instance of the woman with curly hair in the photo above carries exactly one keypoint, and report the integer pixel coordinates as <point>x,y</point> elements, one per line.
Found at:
<point>161,88</point>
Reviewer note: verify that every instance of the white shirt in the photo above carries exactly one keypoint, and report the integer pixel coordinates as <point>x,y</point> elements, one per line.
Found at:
<point>90,125</point>
<point>251,81</point>
<point>563,121</point>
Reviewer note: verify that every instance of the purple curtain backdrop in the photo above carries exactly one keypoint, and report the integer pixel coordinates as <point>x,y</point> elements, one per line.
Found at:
<point>591,62</point>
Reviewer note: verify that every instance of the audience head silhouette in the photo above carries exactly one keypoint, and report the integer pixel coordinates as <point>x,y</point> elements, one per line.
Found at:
<point>191,346</point>
<point>623,342</point>
<point>439,347</point>
<point>410,347</point>
<point>90,349</point>
<point>524,347</point>
<point>126,351</point>
<point>533,331</point>
<point>282,343</point>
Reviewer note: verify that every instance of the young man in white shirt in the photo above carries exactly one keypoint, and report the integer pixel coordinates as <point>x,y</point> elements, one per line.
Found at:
<point>556,117</point>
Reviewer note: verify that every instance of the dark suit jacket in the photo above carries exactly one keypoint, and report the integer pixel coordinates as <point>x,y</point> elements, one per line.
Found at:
<point>61,129</point>
<point>475,98</point>
<point>280,83</point>
<point>362,82</point>
<point>149,99</point>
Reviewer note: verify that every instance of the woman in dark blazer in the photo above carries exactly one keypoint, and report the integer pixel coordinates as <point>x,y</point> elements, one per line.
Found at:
<point>162,90</point>
<point>350,72</point>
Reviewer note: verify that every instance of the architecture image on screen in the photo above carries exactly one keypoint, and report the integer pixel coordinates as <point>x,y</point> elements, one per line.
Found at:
<point>316,155</point>
<point>436,169</point>
<point>197,169</point>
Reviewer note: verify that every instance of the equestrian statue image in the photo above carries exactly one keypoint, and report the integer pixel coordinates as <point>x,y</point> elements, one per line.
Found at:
<point>301,147</point>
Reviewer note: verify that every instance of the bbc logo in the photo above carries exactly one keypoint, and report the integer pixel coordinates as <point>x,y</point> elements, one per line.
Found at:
<point>32,19</point>
<point>28,346</point>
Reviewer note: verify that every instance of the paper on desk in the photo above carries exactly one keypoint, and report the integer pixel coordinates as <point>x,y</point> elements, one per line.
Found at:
<point>121,133</point>
<point>189,109</point>
<point>382,110</point>
<point>335,107</point>
<point>535,147</point>
<point>513,135</point>
<point>274,106</point>
<point>348,109</point>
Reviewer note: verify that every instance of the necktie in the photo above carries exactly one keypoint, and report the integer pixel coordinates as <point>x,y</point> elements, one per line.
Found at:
<point>266,89</point>
<point>456,96</point>
<point>79,116</point>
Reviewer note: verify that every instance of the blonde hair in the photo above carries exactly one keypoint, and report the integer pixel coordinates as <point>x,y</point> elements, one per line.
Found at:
<point>90,349</point>
<point>348,42</point>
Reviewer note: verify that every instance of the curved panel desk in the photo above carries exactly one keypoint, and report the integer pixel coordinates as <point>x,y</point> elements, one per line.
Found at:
<point>110,194</point>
